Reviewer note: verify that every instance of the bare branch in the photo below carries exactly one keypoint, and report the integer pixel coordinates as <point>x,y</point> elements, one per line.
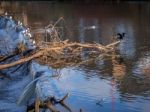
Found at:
<point>58,49</point>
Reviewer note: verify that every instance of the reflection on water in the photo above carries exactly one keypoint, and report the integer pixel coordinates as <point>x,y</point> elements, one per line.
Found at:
<point>107,85</point>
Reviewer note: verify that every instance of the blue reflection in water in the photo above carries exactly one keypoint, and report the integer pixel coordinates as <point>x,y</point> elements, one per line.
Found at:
<point>96,87</point>
<point>127,46</point>
<point>85,94</point>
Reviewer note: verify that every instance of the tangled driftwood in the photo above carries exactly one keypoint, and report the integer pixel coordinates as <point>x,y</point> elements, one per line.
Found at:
<point>63,52</point>
<point>58,53</point>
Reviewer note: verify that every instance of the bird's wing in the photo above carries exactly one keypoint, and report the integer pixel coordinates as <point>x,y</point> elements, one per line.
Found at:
<point>27,93</point>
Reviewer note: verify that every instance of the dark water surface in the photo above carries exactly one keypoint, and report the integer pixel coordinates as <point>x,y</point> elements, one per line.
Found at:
<point>105,85</point>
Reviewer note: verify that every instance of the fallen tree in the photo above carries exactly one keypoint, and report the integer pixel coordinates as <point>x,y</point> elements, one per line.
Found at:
<point>63,51</point>
<point>58,53</point>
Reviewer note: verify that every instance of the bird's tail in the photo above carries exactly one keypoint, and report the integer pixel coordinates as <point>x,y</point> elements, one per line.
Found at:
<point>27,93</point>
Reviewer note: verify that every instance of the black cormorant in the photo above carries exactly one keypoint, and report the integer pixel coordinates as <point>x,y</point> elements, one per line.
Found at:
<point>120,36</point>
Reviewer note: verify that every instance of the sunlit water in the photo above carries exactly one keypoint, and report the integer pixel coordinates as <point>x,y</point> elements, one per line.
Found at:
<point>98,86</point>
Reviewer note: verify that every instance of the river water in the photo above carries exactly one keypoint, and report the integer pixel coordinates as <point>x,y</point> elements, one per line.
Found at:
<point>105,85</point>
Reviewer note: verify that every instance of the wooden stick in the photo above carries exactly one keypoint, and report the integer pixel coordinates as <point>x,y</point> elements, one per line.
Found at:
<point>37,104</point>
<point>51,107</point>
<point>20,61</point>
<point>112,44</point>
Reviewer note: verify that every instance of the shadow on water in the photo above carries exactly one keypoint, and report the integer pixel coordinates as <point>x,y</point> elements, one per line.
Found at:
<point>110,85</point>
